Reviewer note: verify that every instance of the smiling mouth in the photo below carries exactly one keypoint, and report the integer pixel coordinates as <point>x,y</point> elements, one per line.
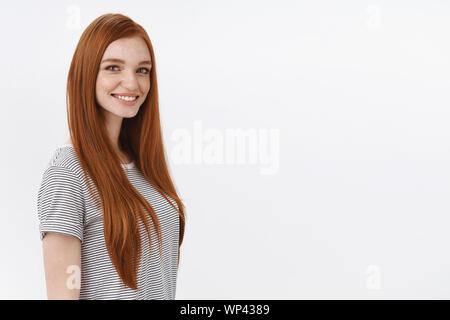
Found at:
<point>125,98</point>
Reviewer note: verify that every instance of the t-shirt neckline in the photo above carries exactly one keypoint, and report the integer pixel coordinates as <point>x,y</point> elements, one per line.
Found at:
<point>124,165</point>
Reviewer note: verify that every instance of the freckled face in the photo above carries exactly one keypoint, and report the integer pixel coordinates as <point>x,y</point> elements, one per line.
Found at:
<point>123,80</point>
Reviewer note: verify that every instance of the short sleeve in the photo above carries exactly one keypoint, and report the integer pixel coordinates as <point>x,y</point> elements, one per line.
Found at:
<point>60,203</point>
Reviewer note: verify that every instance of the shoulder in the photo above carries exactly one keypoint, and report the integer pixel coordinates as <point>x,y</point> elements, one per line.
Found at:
<point>60,199</point>
<point>62,179</point>
<point>65,159</point>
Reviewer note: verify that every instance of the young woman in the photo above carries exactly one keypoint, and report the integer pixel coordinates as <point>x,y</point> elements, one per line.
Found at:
<point>107,195</point>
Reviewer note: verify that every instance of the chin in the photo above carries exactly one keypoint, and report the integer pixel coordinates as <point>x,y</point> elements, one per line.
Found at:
<point>129,113</point>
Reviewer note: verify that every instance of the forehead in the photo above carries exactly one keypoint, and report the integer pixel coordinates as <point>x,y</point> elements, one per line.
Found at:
<point>128,49</point>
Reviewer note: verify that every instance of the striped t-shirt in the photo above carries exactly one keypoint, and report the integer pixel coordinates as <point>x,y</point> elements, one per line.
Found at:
<point>66,206</point>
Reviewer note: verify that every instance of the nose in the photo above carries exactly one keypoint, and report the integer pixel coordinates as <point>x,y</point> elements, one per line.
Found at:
<point>129,81</point>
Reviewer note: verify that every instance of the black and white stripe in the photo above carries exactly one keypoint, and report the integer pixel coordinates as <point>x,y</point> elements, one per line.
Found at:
<point>65,206</point>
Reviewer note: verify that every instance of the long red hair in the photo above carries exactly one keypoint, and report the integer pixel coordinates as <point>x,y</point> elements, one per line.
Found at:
<point>140,138</point>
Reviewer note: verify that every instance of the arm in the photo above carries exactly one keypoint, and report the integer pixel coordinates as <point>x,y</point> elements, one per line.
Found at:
<point>60,252</point>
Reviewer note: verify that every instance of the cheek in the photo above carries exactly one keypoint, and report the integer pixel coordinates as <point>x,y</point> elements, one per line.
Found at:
<point>145,85</point>
<point>104,85</point>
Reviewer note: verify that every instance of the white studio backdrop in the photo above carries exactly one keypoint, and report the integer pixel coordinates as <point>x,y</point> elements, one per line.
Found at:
<point>339,187</point>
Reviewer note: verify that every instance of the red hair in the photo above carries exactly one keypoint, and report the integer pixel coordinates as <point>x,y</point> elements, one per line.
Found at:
<point>140,138</point>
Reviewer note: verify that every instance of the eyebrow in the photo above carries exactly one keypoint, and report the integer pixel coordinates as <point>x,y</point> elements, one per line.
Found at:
<point>123,62</point>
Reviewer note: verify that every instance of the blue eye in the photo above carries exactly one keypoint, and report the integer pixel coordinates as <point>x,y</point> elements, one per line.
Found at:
<point>147,71</point>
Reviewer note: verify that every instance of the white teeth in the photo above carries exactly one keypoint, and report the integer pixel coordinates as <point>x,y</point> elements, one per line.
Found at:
<point>126,98</point>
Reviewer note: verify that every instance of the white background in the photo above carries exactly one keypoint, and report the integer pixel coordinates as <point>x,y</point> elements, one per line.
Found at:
<point>359,93</point>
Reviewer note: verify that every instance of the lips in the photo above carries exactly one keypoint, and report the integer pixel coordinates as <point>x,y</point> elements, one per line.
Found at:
<point>125,102</point>
<point>125,94</point>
